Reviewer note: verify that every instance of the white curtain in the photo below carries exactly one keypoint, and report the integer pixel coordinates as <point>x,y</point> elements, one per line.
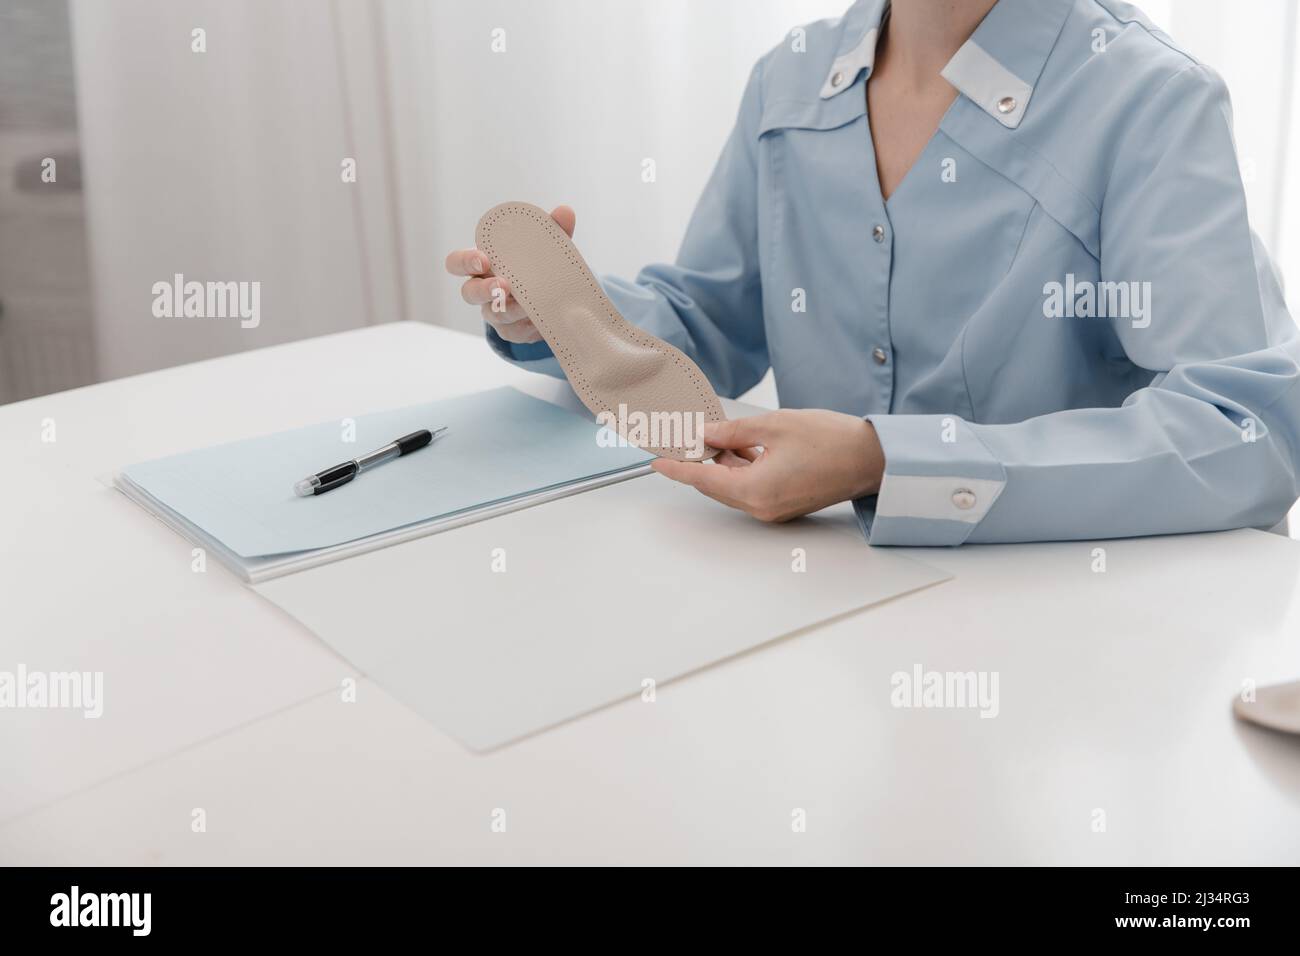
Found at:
<point>226,165</point>
<point>583,94</point>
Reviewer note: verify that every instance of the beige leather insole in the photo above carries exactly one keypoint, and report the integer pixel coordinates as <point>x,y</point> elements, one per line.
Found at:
<point>654,395</point>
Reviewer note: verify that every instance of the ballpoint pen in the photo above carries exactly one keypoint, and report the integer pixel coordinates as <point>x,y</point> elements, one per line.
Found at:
<point>323,481</point>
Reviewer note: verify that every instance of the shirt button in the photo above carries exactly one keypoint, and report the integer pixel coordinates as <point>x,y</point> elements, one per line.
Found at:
<point>878,233</point>
<point>1006,104</point>
<point>837,79</point>
<point>964,499</point>
<point>879,355</point>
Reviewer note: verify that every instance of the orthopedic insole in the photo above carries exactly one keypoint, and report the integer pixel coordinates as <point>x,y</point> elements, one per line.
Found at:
<point>651,393</point>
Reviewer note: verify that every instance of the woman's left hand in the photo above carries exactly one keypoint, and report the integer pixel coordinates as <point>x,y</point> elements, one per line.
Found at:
<point>785,464</point>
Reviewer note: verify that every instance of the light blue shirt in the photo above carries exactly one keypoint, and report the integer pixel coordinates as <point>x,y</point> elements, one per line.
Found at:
<point>1060,323</point>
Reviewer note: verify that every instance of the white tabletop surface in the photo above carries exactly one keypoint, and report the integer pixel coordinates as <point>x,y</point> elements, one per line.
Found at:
<point>1115,687</point>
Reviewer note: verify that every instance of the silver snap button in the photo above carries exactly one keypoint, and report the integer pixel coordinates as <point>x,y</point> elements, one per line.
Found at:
<point>964,499</point>
<point>837,79</point>
<point>878,233</point>
<point>879,355</point>
<point>1006,104</point>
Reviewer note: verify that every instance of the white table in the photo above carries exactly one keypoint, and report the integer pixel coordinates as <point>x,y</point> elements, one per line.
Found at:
<point>1115,687</point>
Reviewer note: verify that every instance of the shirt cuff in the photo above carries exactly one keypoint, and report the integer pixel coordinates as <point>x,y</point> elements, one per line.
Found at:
<point>514,351</point>
<point>939,482</point>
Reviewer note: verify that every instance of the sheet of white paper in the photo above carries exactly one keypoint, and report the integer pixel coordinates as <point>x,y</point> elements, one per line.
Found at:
<point>499,444</point>
<point>499,629</point>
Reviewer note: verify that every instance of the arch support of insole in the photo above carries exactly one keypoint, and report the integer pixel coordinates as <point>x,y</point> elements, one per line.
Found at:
<point>649,391</point>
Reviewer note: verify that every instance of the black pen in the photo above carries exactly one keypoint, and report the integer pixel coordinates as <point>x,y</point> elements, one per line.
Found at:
<point>323,481</point>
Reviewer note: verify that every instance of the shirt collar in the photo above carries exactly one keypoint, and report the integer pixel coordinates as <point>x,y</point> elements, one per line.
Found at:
<point>997,68</point>
<point>859,30</point>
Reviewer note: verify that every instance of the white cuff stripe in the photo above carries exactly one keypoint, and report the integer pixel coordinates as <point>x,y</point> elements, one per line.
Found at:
<point>914,496</point>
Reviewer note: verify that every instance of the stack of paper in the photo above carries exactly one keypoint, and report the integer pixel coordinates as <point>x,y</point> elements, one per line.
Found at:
<point>503,451</point>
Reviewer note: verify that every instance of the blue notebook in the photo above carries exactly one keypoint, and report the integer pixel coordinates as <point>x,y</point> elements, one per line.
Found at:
<point>503,450</point>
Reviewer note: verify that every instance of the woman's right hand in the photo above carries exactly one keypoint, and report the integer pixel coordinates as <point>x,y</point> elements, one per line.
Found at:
<point>492,293</point>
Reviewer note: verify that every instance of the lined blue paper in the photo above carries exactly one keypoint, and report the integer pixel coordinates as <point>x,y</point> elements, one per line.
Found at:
<point>500,444</point>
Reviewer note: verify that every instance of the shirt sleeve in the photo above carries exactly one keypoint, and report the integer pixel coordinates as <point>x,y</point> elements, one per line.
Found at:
<point>1210,444</point>
<point>709,302</point>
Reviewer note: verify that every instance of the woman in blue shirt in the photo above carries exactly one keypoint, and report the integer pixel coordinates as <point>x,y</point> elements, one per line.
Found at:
<point>997,256</point>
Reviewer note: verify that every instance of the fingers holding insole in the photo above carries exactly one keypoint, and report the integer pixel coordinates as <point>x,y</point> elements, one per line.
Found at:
<point>615,368</point>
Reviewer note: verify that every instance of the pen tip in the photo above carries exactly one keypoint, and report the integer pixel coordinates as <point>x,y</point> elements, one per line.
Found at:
<point>305,488</point>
